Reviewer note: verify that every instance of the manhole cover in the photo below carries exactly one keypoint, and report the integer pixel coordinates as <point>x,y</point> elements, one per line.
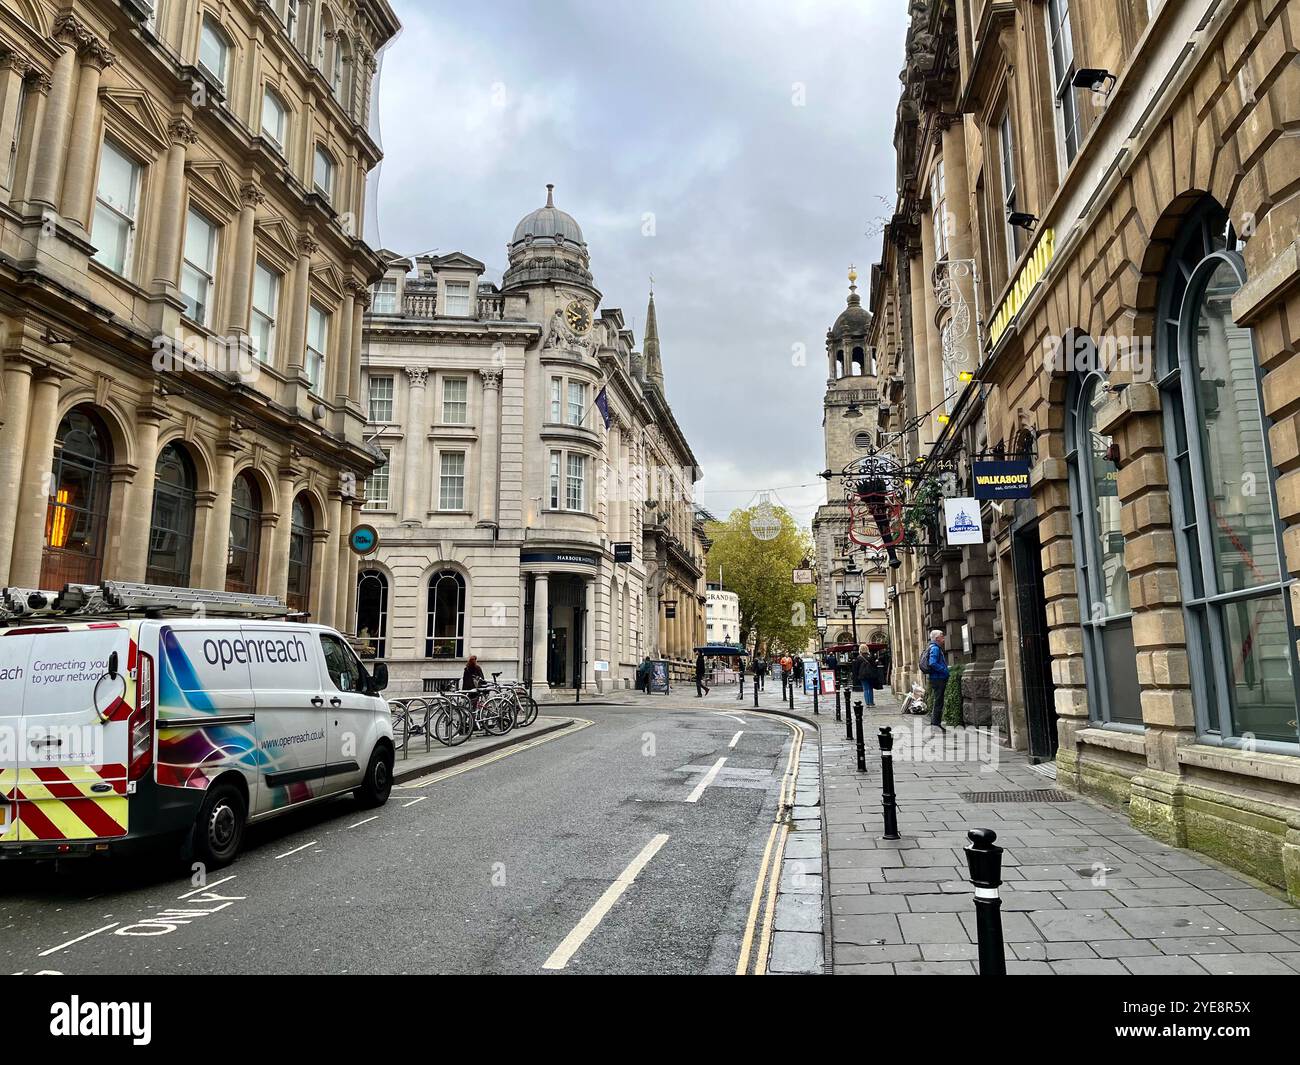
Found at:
<point>1037,795</point>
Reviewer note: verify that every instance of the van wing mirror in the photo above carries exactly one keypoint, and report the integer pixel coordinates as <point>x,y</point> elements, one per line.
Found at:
<point>112,665</point>
<point>379,677</point>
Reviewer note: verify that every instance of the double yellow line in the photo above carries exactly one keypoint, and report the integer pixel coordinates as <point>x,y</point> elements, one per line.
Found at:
<point>769,869</point>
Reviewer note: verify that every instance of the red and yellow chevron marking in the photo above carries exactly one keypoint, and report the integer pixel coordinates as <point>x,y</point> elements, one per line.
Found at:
<point>58,802</point>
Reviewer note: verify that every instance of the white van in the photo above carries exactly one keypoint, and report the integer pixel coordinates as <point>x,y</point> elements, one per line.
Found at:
<point>118,732</point>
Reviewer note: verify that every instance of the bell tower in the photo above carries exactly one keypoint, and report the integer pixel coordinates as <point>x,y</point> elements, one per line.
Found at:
<point>849,407</point>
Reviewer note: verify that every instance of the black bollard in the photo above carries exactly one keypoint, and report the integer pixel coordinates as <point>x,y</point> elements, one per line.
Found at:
<point>886,740</point>
<point>862,745</point>
<point>848,694</point>
<point>815,687</point>
<point>984,857</point>
<point>755,693</point>
<point>848,719</point>
<point>837,704</point>
<point>792,693</point>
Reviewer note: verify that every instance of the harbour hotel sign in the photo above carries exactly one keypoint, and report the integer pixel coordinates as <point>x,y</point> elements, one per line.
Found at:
<point>1029,276</point>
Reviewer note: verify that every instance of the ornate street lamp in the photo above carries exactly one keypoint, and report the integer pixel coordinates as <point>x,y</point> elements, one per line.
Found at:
<point>823,623</point>
<point>854,585</point>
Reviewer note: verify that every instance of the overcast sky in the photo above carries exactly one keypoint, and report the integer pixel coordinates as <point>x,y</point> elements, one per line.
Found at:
<point>755,135</point>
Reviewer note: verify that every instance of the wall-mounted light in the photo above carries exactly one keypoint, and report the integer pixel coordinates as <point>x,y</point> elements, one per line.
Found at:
<point>965,376</point>
<point>1022,220</point>
<point>942,419</point>
<point>852,411</point>
<point>1094,79</point>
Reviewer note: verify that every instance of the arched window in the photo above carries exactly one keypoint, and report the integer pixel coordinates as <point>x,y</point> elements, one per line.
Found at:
<point>302,530</point>
<point>78,505</point>
<point>372,613</point>
<point>839,363</point>
<point>245,535</point>
<point>171,528</point>
<point>1240,629</point>
<point>444,631</point>
<point>1110,660</point>
<point>859,362</point>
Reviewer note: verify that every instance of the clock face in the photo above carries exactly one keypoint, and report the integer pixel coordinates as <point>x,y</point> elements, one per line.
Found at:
<point>578,316</point>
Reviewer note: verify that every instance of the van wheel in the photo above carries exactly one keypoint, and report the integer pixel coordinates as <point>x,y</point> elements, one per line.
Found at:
<point>220,826</point>
<point>378,784</point>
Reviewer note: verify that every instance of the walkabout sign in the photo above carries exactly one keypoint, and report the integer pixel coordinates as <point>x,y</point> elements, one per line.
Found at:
<point>1006,479</point>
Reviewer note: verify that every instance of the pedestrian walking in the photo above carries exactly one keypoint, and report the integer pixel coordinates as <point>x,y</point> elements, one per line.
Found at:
<point>760,672</point>
<point>701,689</point>
<point>643,672</point>
<point>934,664</point>
<point>864,675</point>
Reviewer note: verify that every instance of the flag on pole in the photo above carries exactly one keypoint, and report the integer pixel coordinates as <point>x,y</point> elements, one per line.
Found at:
<point>602,405</point>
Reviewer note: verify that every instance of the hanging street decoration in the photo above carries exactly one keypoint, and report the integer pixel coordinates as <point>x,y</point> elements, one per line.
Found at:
<point>764,523</point>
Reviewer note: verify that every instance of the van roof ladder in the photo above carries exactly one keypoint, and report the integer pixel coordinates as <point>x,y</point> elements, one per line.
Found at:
<point>126,598</point>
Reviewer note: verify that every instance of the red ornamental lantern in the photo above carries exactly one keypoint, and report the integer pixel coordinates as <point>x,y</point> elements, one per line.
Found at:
<point>876,520</point>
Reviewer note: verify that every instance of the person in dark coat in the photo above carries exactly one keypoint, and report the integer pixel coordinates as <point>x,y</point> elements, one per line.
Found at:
<point>643,672</point>
<point>701,688</point>
<point>472,679</point>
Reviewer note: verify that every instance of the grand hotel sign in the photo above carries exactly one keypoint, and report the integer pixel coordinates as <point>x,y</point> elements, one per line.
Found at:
<point>1030,274</point>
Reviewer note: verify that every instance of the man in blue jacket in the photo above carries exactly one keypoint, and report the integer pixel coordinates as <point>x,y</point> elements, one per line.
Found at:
<point>936,661</point>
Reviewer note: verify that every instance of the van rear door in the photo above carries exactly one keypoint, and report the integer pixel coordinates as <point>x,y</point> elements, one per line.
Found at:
<point>71,744</point>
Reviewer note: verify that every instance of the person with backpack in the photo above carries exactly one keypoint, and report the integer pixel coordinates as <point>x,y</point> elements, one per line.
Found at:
<point>934,664</point>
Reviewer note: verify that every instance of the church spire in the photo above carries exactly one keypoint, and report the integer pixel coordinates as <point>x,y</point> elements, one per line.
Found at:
<point>654,367</point>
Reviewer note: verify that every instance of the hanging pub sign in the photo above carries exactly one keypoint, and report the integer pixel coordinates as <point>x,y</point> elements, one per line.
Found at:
<point>962,520</point>
<point>1005,479</point>
<point>623,552</point>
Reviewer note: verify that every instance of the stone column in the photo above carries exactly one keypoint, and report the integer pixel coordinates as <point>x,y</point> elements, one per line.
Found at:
<point>83,140</point>
<point>541,641</point>
<point>38,91</point>
<point>344,344</point>
<point>360,303</point>
<point>489,445</point>
<point>33,501</point>
<point>244,260</point>
<point>279,573</point>
<point>137,517</point>
<point>329,580</point>
<point>933,350</point>
<point>13,444</point>
<point>296,364</point>
<point>171,210</point>
<point>319,581</point>
<point>414,499</point>
<point>47,164</point>
<point>589,632</point>
<point>920,356</point>
<point>216,544</point>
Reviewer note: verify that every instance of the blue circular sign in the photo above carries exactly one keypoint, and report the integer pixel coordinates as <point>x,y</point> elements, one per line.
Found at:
<point>364,539</point>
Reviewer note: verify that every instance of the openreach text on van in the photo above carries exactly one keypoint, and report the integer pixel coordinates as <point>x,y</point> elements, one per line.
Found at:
<point>77,1018</point>
<point>224,653</point>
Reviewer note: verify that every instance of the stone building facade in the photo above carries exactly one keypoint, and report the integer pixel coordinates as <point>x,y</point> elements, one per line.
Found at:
<point>181,292</point>
<point>504,493</point>
<point>1116,180</point>
<point>851,433</point>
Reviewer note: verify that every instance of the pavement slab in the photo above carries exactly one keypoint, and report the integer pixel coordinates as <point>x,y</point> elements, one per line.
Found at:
<point>1084,892</point>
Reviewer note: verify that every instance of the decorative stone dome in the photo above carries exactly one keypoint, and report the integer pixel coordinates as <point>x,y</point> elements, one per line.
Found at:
<point>548,246</point>
<point>547,224</point>
<point>855,319</point>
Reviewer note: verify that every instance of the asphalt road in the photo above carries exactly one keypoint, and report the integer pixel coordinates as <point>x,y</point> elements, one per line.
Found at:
<point>505,865</point>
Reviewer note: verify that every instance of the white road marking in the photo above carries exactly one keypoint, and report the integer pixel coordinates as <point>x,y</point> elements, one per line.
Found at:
<point>297,849</point>
<point>70,942</point>
<point>569,947</point>
<point>735,738</point>
<point>407,805</point>
<point>365,822</point>
<point>723,713</point>
<point>208,887</point>
<point>694,796</point>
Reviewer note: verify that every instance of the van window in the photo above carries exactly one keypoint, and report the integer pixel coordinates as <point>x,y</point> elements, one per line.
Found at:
<point>342,665</point>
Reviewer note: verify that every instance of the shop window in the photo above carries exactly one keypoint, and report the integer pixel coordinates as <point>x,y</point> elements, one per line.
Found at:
<point>244,548</point>
<point>444,633</point>
<point>1109,655</point>
<point>78,506</point>
<point>302,530</point>
<point>1240,628</point>
<point>372,614</point>
<point>171,528</point>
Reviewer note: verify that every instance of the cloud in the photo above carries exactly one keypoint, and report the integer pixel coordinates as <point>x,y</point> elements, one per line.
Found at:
<point>755,133</point>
